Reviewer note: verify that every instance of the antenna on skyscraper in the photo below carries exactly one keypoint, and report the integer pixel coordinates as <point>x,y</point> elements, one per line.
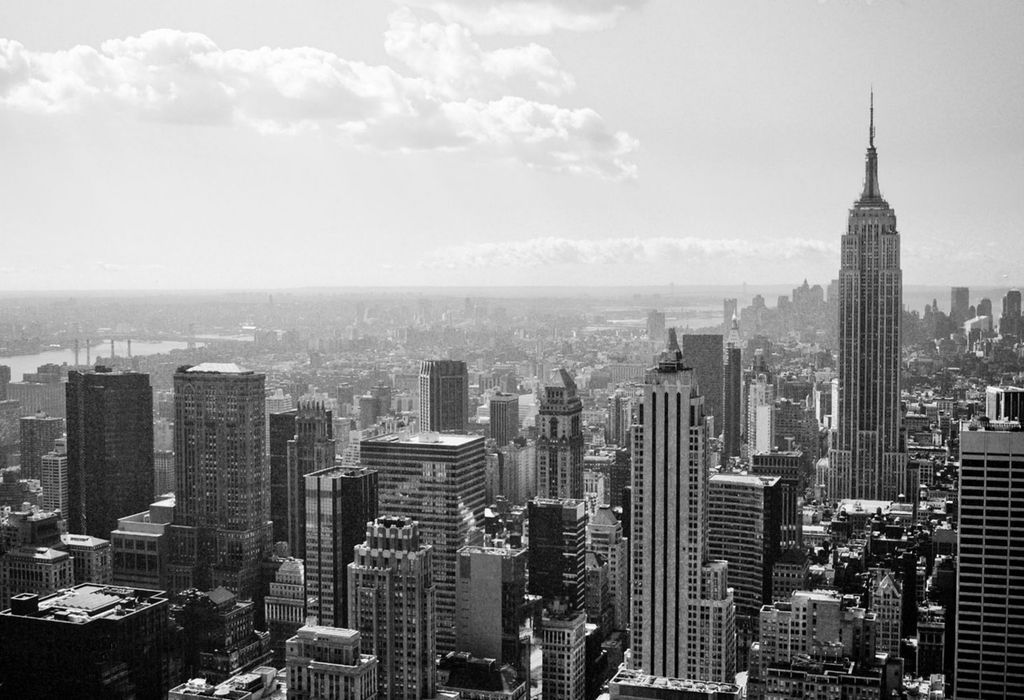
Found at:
<point>871,132</point>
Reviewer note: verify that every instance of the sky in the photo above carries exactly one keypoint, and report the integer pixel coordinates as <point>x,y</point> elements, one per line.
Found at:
<point>274,144</point>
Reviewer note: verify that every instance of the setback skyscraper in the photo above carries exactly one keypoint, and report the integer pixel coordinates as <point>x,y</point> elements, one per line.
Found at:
<point>560,443</point>
<point>868,460</point>
<point>311,450</point>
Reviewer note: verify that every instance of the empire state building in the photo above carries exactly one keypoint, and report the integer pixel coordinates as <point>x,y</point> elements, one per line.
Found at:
<point>868,459</point>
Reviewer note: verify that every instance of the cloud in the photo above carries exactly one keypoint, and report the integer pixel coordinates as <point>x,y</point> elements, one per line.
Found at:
<point>548,251</point>
<point>530,17</point>
<point>457,97</point>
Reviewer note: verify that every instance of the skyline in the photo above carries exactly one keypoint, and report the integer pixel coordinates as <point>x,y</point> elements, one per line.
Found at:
<point>599,169</point>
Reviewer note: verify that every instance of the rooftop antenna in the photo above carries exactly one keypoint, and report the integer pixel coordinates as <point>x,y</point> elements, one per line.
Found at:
<point>871,134</point>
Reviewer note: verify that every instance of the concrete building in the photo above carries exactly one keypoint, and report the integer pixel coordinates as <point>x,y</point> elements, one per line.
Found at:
<point>683,616</point>
<point>222,528</point>
<point>92,641</point>
<point>558,545</point>
<point>39,434</point>
<point>219,635</point>
<point>53,477</point>
<point>447,505</point>
<point>34,569</point>
<point>605,534</point>
<point>475,678</point>
<point>340,501</point>
<point>140,546</point>
<point>92,558</point>
<point>703,352</point>
<point>628,684</point>
<point>560,439</point>
<point>959,304</point>
<point>259,684</point>
<point>869,459</point>
<point>504,410</point>
<point>656,326</point>
<point>1004,403</point>
<point>284,607</point>
<point>886,601</point>
<point>163,472</point>
<point>392,605</point>
<point>444,396</point>
<point>788,466</point>
<point>563,636</point>
<point>989,641</point>
<point>732,393</point>
<point>310,450</point>
<point>325,663</point>
<point>491,614</point>
<point>110,448</point>
<point>280,430</point>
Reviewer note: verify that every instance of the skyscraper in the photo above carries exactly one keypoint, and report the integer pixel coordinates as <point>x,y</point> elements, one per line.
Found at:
<point>504,418</point>
<point>682,610</point>
<point>492,612</point>
<point>869,460</point>
<point>110,448</point>
<point>732,393</point>
<point>325,663</point>
<point>391,605</point>
<point>444,396</point>
<point>959,303</point>
<point>281,431</point>
<point>560,443</point>
<point>438,481</point>
<point>656,326</point>
<point>703,352</point>
<point>607,539</point>
<point>311,450</point>
<point>990,601</point>
<point>38,434</point>
<point>1010,321</point>
<point>558,547</point>
<point>221,527</point>
<point>54,477</point>
<point>339,503</point>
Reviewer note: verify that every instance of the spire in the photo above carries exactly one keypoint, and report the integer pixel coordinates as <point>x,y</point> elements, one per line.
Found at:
<point>673,343</point>
<point>872,194</point>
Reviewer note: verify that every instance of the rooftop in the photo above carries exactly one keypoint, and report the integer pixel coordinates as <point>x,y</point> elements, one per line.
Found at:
<point>426,438</point>
<point>217,368</point>
<point>85,602</point>
<point>745,479</point>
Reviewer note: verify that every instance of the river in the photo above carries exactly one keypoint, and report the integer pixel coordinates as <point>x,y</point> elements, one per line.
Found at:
<point>20,364</point>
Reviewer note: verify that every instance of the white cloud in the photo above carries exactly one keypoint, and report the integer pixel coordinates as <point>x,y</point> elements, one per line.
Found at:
<point>529,17</point>
<point>547,251</point>
<point>457,97</point>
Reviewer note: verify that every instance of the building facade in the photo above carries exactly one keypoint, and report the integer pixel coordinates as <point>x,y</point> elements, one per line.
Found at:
<point>326,663</point>
<point>560,439</point>
<point>444,396</point>
<point>310,450</point>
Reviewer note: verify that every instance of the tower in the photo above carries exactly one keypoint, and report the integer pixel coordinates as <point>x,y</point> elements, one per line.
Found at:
<point>38,435</point>
<point>732,393</point>
<point>560,443</point>
<point>869,460</point>
<point>558,547</point>
<point>444,396</point>
<point>311,450</point>
<point>504,418</point>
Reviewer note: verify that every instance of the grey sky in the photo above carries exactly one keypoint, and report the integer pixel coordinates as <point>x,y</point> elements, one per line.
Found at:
<point>262,144</point>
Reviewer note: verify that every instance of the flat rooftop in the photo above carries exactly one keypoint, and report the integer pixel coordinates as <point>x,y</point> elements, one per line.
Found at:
<point>426,438</point>
<point>217,368</point>
<point>91,601</point>
<point>745,479</point>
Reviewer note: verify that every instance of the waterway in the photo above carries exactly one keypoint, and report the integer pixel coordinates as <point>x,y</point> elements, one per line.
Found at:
<point>20,364</point>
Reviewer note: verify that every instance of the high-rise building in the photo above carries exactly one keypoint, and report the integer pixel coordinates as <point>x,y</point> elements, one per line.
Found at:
<point>34,569</point>
<point>682,610</point>
<point>989,641</point>
<point>281,430</point>
<point>628,684</point>
<point>284,608</point>
<point>605,533</point>
<point>703,352</point>
<point>563,636</point>
<point>444,396</point>
<point>985,307</point>
<point>491,614</point>
<point>325,663</point>
<point>110,448</point>
<point>339,503</point>
<point>438,481</point>
<point>92,558</point>
<point>869,458</point>
<point>788,467</point>
<point>163,472</point>
<point>558,547</point>
<point>140,546</point>
<point>886,601</point>
<point>504,418</point>
<point>730,309</point>
<point>1010,323</point>
<point>1004,403</point>
<point>560,442</point>
<point>732,393</point>
<point>222,528</point>
<point>219,635</point>
<point>91,641</point>
<point>656,326</point>
<point>39,433</point>
<point>53,477</point>
<point>760,414</point>
<point>959,304</point>
<point>311,450</point>
<point>391,605</point>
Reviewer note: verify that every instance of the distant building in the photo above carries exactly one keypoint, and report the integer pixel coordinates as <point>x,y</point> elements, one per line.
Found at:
<point>444,396</point>
<point>491,612</point>
<point>732,393</point>
<point>39,434</point>
<point>281,430</point>
<point>40,392</point>
<point>92,641</point>
<point>1005,403</point>
<point>560,439</point>
<point>325,663</point>
<point>656,326</point>
<point>53,477</point>
<point>310,450</point>
<point>504,418</point>
<point>163,472</point>
<point>608,540</point>
<point>92,558</point>
<point>558,546</point>
<point>788,466</point>
<point>703,352</point>
<point>959,304</point>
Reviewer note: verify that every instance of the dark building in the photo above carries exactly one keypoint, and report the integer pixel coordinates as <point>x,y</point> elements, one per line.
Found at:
<point>1010,321</point>
<point>732,394</point>
<point>558,545</point>
<point>340,501</point>
<point>959,304</point>
<point>110,449</point>
<point>504,409</point>
<point>788,466</point>
<point>703,352</point>
<point>311,450</point>
<point>619,477</point>
<point>39,434</point>
<point>219,635</point>
<point>560,443</point>
<point>90,641</point>
<point>282,429</point>
<point>444,396</point>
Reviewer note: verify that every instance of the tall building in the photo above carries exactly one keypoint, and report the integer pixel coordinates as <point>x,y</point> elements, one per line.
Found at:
<point>110,448</point>
<point>491,614</point>
<point>730,309</point>
<point>563,666</point>
<point>140,546</point>
<point>34,569</point>
<point>990,602</point>
<point>605,533</point>
<point>91,641</point>
<point>628,684</point>
<point>391,605</point>
<point>325,663</point>
<point>339,503</point>
<point>222,528</point>
<point>682,610</point>
<point>311,450</point>
<point>92,558</point>
<point>703,352</point>
<point>39,433</point>
<point>656,326</point>
<point>558,548</point>
<point>869,458</point>
<point>504,418</point>
<point>959,304</point>
<point>281,430</point>
<point>760,414</point>
<point>788,467</point>
<point>1005,403</point>
<point>444,396</point>
<point>284,608</point>
<point>732,393</point>
<point>54,477</point>
<point>560,442</point>
<point>1010,323</point>
<point>438,481</point>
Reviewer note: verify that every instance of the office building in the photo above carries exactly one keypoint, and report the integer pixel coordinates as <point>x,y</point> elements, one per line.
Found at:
<point>35,569</point>
<point>259,683</point>
<point>39,434</point>
<point>325,663</point>
<point>53,477</point>
<point>959,304</point>
<point>340,501</point>
<point>41,391</point>
<point>444,396</point>
<point>1004,403</point>
<point>560,439</point>
<point>92,558</point>
<point>1010,323</point>
<point>218,634</point>
<point>163,473</point>
<point>886,601</point>
<point>990,601</point>
<point>563,635</point>
<point>788,466</point>
<point>760,427</point>
<point>110,448</point>
<point>391,605</point>
<point>91,641</point>
<point>732,393</point>
<point>504,410</point>
<point>475,678</point>
<point>491,615</point>
<point>311,450</point>
<point>703,352</point>
<point>868,460</point>
<point>284,607</point>
<point>607,539</point>
<point>656,326</point>
<point>222,528</point>
<point>558,546</point>
<point>447,503</point>
<point>140,546</point>
<point>628,684</point>
<point>281,430</point>
<point>683,616</point>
